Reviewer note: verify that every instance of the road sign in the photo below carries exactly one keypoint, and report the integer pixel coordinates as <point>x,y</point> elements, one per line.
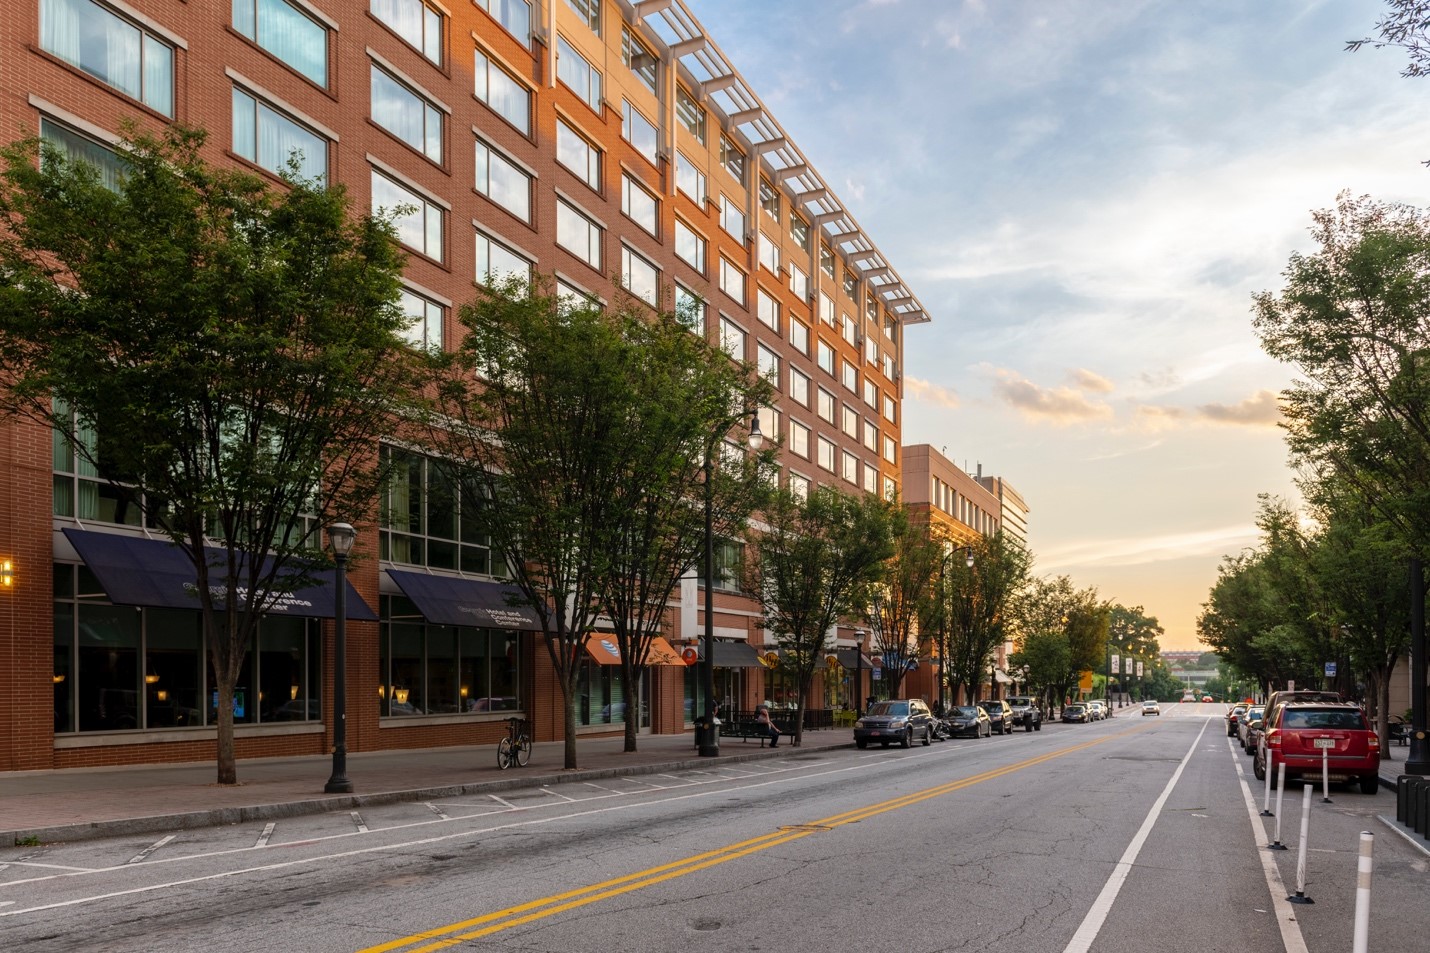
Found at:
<point>1330,669</point>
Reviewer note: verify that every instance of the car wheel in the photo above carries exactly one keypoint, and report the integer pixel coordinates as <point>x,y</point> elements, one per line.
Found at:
<point>928,737</point>
<point>1038,725</point>
<point>1258,769</point>
<point>861,744</point>
<point>1369,783</point>
<point>1027,726</point>
<point>908,739</point>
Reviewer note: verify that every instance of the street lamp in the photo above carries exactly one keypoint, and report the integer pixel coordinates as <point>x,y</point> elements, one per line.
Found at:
<point>341,536</point>
<point>708,736</point>
<point>856,700</point>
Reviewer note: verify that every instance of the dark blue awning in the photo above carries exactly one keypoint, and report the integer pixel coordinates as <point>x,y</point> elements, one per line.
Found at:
<point>136,571</point>
<point>453,600</point>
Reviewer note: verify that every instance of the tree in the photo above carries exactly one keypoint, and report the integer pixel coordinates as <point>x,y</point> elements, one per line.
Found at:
<point>1049,660</point>
<point>1136,638</point>
<point>1050,608</point>
<point>235,347</point>
<point>584,433</point>
<point>904,596</point>
<point>1407,26</point>
<point>977,602</point>
<point>817,561</point>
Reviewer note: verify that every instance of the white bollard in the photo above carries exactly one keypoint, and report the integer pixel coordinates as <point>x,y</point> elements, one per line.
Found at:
<point>1266,800</point>
<point>1325,776</point>
<point>1300,895</point>
<point>1361,943</point>
<point>1280,791</point>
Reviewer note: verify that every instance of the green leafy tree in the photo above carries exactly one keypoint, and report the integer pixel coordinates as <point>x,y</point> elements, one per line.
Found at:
<point>1136,637</point>
<point>236,347</point>
<point>817,561</point>
<point>904,597</point>
<point>978,601</point>
<point>1048,657</point>
<point>1077,617</point>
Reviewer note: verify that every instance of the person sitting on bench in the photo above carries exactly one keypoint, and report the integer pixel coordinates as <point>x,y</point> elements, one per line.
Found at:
<point>762,717</point>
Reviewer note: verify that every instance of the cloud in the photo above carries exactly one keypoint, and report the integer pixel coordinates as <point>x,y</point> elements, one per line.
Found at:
<point>1261,409</point>
<point>1059,405</point>
<point>927,393</point>
<point>1139,550</point>
<point>1084,379</point>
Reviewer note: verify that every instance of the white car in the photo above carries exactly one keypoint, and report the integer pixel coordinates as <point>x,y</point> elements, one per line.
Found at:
<point>1096,710</point>
<point>1151,708</point>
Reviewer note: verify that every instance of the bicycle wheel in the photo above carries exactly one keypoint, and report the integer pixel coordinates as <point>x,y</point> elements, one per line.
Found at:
<point>523,751</point>
<point>504,754</point>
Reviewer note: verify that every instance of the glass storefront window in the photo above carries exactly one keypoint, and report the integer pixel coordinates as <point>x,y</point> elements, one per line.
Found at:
<point>437,669</point>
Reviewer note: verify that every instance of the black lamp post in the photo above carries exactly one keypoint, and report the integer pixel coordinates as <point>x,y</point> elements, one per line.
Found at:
<point>856,701</point>
<point>341,536</point>
<point>1417,760</point>
<point>708,745</point>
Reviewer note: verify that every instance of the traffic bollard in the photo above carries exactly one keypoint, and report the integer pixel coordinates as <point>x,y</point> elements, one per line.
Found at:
<point>1300,895</point>
<point>1280,791</point>
<point>1361,942</point>
<point>1325,776</point>
<point>1266,800</point>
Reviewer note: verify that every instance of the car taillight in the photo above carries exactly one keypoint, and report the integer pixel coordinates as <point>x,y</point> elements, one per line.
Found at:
<point>1374,742</point>
<point>1273,738</point>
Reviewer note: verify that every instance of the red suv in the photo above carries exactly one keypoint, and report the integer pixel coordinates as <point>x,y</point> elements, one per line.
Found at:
<point>1302,731</point>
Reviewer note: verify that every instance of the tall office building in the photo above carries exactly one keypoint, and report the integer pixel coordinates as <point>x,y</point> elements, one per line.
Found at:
<point>577,139</point>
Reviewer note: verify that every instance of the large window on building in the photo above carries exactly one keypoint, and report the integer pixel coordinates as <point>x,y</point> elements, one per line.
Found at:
<point>76,147</point>
<point>690,246</point>
<point>799,387</point>
<point>286,31</point>
<point>578,234</point>
<point>576,153</point>
<point>732,158</point>
<point>418,220</point>
<point>639,205</point>
<point>639,131</point>
<point>639,276</point>
<point>689,179</point>
<point>503,181</point>
<point>732,219</point>
<point>513,15</point>
<point>690,114</point>
<point>732,280</point>
<point>496,263</point>
<point>426,318</point>
<point>416,21</point>
<point>583,79</point>
<point>428,669</point>
<point>429,517</point>
<point>499,90</point>
<point>639,60</point>
<point>112,49</point>
<point>407,114</point>
<point>690,309</point>
<point>269,138</point>
<point>767,309</point>
<point>732,338</point>
<point>589,11</point>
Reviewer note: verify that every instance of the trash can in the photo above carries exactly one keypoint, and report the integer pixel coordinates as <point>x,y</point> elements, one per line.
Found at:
<point>707,733</point>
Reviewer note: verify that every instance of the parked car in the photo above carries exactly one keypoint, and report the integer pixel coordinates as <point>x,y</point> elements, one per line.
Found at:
<point>1026,712</point>
<point>1247,727</point>
<point>1275,700</point>
<point>1075,714</point>
<point>970,721</point>
<point>1000,715</point>
<point>1232,714</point>
<point>1096,710</point>
<point>1302,731</point>
<point>1151,708</point>
<point>900,720</point>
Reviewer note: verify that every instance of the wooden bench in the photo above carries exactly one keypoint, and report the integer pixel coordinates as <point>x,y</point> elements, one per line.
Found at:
<point>745,729</point>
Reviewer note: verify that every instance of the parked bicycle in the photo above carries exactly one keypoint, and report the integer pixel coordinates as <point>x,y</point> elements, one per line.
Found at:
<point>515,749</point>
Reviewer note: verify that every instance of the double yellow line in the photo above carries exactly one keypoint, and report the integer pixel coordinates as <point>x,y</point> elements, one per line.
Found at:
<point>487,924</point>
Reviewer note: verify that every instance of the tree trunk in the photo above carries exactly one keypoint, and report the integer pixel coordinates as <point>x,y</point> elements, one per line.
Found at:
<point>227,763</point>
<point>570,722</point>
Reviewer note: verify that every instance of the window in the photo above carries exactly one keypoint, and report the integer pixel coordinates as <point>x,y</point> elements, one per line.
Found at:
<point>689,179</point>
<point>799,231</point>
<point>890,488</point>
<point>826,261</point>
<point>871,393</point>
<point>768,310</point>
<point>513,15</point>
<point>113,50</point>
<point>732,280</point>
<point>507,98</point>
<point>888,407</point>
<point>79,148</point>
<point>871,350</point>
<point>798,282</point>
<point>769,200</point>
<point>732,158</point>
<point>406,114</point>
<point>871,436</point>
<point>423,518</point>
<point>425,320</point>
<point>497,263</point>
<point>871,309</point>
<point>871,479</point>
<point>578,234</point>
<point>732,219</point>
<point>78,489</point>
<point>826,309</point>
<point>690,309</point>
<point>847,329</point>
<point>419,23</point>
<point>891,370</point>
<point>574,298</point>
<point>825,357</point>
<point>799,439</point>
<point>638,59</point>
<point>268,138</point>
<point>890,449</point>
<point>849,421</point>
<point>732,338</point>
<point>638,131</point>
<point>851,283</point>
<point>573,70</point>
<point>799,486</point>
<point>799,387</point>
<point>827,405</point>
<point>849,467</point>
<point>638,204</point>
<point>849,375</point>
<point>690,114</point>
<point>419,227</point>
<point>284,30</point>
<point>799,336</point>
<point>769,364</point>
<point>577,154</point>
<point>689,246</point>
<point>639,276</point>
<point>428,669</point>
<point>769,254</point>
<point>729,565</point>
<point>589,11</point>
<point>826,454</point>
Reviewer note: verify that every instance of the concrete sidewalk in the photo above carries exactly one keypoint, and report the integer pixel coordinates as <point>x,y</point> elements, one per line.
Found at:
<point>85,803</point>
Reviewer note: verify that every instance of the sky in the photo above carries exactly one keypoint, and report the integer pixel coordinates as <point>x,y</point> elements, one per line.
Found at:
<point>1085,195</point>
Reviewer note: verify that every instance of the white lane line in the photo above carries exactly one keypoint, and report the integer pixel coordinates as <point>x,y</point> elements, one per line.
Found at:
<point>267,833</point>
<point>685,781</point>
<point>1291,938</point>
<point>436,810</point>
<point>568,800</point>
<point>1395,826</point>
<point>1092,924</point>
<point>139,857</point>
<point>36,863</point>
<point>599,788</point>
<point>503,802</point>
<point>358,822</point>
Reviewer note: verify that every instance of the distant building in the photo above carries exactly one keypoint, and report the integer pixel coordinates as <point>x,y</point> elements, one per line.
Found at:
<point>1012,510</point>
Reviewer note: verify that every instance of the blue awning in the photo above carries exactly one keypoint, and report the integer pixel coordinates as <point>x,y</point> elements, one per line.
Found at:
<point>454,600</point>
<point>136,571</point>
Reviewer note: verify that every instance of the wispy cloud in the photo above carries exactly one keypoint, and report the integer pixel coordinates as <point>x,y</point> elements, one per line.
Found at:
<point>1261,409</point>
<point>1058,405</point>
<point>927,393</point>
<point>1140,550</point>
<point>1084,379</point>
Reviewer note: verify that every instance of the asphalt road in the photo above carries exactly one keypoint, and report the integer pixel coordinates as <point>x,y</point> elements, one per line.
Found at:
<point>1134,834</point>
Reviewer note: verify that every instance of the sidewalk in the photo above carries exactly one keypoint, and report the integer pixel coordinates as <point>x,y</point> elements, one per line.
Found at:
<point>82,803</point>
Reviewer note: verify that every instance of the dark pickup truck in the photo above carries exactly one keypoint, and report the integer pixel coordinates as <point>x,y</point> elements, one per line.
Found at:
<point>1026,712</point>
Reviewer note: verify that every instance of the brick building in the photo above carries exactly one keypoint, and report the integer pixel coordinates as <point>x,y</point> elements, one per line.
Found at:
<point>578,139</point>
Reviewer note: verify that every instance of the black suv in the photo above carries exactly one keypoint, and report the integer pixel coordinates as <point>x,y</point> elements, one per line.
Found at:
<point>1000,716</point>
<point>1026,712</point>
<point>899,721</point>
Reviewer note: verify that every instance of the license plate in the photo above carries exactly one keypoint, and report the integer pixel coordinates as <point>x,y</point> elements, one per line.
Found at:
<point>1319,743</point>
<point>874,732</point>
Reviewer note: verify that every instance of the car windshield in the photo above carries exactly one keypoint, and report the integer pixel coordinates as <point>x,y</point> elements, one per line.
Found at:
<point>1077,708</point>
<point>1018,701</point>
<point>1312,718</point>
<point>967,711</point>
<point>890,708</point>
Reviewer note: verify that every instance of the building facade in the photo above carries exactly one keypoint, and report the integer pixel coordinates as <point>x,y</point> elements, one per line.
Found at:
<point>572,139</point>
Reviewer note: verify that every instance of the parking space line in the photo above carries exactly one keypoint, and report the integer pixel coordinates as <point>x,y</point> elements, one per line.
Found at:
<point>558,794</point>
<point>1291,938</point>
<point>139,857</point>
<point>358,821</point>
<point>436,810</point>
<point>268,830</point>
<point>503,802</point>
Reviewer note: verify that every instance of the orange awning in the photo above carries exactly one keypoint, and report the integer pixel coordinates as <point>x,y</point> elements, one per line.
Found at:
<point>604,650</point>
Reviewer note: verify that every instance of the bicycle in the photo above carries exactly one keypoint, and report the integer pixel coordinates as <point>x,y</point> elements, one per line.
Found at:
<point>515,749</point>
